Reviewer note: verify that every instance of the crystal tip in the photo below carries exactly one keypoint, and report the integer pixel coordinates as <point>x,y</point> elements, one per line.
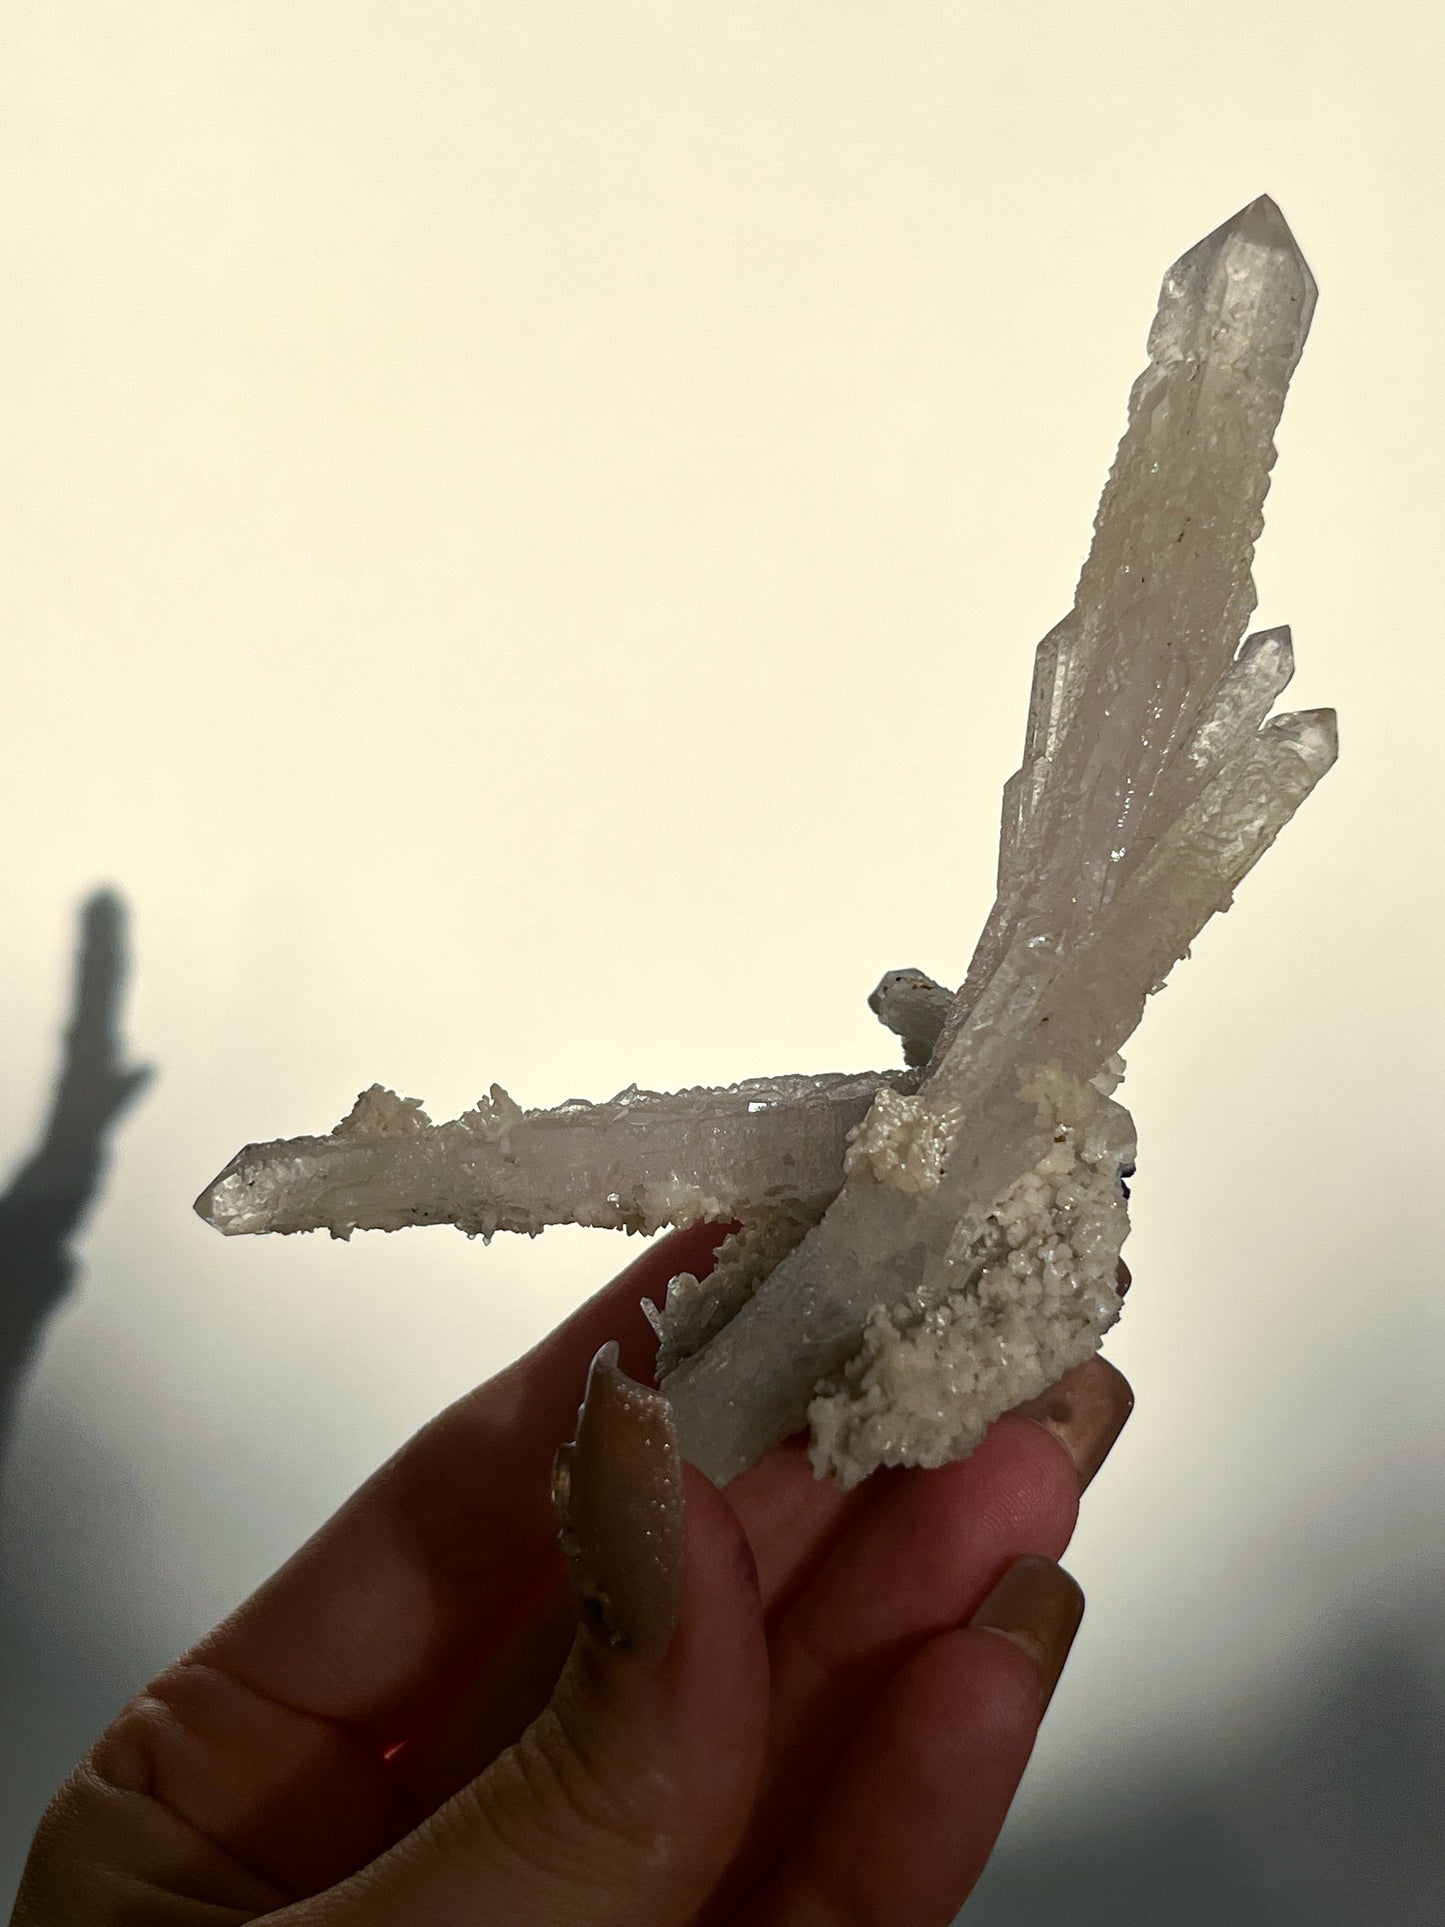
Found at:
<point>1254,246</point>
<point>1313,734</point>
<point>1263,224</point>
<point>1320,734</point>
<point>1259,225</point>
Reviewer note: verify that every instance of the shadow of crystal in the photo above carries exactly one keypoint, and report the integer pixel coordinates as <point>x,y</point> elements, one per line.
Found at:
<point>49,1196</point>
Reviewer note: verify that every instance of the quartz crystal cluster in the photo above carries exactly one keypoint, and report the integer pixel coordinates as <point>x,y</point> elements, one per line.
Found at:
<point>920,1250</point>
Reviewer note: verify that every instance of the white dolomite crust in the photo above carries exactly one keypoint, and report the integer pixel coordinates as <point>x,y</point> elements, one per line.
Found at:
<point>696,1308</point>
<point>379,1112</point>
<point>921,1250</point>
<point>1039,1293</point>
<point>492,1117</point>
<point>904,1142</point>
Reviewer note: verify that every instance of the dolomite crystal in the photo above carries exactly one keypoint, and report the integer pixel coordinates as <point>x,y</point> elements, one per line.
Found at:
<point>920,1251</point>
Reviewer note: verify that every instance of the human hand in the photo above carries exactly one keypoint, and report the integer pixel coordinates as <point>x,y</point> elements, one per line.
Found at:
<point>798,1712</point>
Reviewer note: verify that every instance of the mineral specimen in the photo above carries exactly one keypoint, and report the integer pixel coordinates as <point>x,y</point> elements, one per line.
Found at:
<point>636,1163</point>
<point>921,1250</point>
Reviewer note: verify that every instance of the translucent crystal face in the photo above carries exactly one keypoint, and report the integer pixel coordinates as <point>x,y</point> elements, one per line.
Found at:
<point>639,1162</point>
<point>923,1249</point>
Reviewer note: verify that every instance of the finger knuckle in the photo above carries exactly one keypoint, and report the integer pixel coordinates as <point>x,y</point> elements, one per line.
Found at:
<point>552,1800</point>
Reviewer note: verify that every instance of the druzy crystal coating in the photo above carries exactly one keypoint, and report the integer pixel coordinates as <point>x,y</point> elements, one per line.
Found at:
<point>923,1249</point>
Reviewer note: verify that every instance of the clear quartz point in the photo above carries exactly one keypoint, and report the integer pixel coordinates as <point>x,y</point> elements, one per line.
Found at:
<point>1150,784</point>
<point>641,1161</point>
<point>920,1250</point>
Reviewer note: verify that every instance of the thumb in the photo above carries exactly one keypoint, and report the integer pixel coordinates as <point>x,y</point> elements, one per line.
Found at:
<point>625,1799</point>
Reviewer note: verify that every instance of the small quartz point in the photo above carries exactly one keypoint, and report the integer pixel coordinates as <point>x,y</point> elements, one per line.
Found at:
<point>920,1250</point>
<point>914,1007</point>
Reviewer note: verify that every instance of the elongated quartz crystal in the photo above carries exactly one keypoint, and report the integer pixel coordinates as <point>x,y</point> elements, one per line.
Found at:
<point>921,1250</point>
<point>639,1162</point>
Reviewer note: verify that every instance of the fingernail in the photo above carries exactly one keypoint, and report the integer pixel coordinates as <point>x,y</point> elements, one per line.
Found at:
<point>618,1493</point>
<point>1038,1606</point>
<point>1085,1411</point>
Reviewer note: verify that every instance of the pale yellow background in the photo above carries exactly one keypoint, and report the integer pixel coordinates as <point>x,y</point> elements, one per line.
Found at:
<point>524,529</point>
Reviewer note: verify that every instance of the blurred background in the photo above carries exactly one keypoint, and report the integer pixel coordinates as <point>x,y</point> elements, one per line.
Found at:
<point>485,492</point>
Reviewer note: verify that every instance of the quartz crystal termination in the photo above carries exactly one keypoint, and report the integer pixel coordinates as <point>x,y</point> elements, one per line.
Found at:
<point>919,1308</point>
<point>923,1249</point>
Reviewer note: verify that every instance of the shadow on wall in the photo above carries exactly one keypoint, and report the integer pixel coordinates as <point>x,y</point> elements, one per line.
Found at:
<point>1333,1820</point>
<point>49,1196</point>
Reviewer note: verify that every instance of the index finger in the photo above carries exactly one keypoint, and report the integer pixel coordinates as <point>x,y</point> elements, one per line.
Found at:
<point>431,1562</point>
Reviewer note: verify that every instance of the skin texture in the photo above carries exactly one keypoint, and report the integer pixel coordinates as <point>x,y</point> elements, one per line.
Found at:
<point>408,1723</point>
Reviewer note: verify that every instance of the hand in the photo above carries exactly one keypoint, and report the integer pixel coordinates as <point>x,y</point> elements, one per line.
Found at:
<point>805,1709</point>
